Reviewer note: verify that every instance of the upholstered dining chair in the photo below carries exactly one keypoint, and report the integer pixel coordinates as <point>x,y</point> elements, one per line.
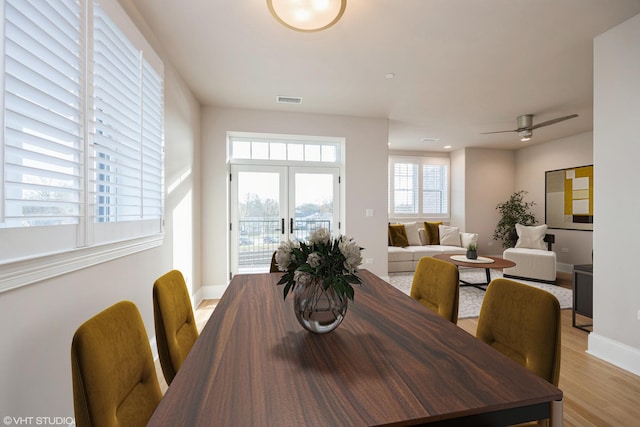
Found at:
<point>175,325</point>
<point>113,374</point>
<point>523,323</point>
<point>436,284</point>
<point>273,268</point>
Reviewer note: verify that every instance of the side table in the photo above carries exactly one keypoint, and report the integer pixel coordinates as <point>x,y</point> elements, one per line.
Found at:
<point>583,294</point>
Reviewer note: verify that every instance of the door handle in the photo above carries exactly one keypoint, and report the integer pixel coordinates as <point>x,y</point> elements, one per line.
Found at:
<point>290,225</point>
<point>282,227</point>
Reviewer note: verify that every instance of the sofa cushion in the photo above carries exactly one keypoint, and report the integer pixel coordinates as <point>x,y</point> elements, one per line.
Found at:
<point>531,237</point>
<point>397,254</point>
<point>418,252</point>
<point>398,235</point>
<point>449,236</point>
<point>432,232</point>
<point>413,236</point>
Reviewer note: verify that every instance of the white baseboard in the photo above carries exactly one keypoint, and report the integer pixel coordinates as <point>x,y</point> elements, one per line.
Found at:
<point>564,268</point>
<point>213,291</point>
<point>614,352</point>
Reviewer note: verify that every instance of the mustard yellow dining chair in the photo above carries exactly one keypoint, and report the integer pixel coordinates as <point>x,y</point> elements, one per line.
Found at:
<point>175,325</point>
<point>523,323</point>
<point>113,373</point>
<point>436,284</point>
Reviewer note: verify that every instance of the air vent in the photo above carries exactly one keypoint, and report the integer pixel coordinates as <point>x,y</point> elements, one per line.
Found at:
<point>289,100</point>
<point>430,140</point>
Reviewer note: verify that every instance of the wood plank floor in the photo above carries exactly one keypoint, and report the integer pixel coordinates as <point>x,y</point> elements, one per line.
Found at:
<point>596,393</point>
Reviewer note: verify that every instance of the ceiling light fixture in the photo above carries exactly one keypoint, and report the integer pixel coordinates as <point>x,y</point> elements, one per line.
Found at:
<point>307,15</point>
<point>525,135</point>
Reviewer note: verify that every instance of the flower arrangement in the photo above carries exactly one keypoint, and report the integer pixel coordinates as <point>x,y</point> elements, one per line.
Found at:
<point>334,261</point>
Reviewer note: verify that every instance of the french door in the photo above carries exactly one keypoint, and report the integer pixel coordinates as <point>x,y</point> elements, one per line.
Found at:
<point>270,204</point>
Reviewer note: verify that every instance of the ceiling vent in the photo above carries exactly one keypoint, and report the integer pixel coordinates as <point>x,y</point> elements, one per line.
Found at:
<point>429,140</point>
<point>289,100</point>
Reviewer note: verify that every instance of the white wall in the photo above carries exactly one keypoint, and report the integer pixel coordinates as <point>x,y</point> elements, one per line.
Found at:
<point>365,180</point>
<point>531,164</point>
<point>616,292</point>
<point>489,180</point>
<point>39,320</point>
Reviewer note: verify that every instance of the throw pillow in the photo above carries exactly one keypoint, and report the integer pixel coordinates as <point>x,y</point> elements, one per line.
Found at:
<point>449,236</point>
<point>432,232</point>
<point>467,238</point>
<point>413,236</point>
<point>531,237</point>
<point>398,235</point>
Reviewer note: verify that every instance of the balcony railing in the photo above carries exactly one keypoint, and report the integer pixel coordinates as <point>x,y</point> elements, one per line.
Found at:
<point>259,238</point>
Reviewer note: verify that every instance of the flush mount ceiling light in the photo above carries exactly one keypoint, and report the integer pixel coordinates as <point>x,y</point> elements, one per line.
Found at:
<point>307,15</point>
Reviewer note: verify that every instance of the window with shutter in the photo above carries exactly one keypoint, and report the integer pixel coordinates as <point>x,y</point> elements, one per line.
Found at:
<point>81,147</point>
<point>418,187</point>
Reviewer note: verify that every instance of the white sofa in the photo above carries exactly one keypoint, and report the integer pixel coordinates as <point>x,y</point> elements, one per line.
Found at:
<point>532,254</point>
<point>406,258</point>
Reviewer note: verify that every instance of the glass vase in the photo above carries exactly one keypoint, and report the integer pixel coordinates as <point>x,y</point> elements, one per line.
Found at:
<point>317,309</point>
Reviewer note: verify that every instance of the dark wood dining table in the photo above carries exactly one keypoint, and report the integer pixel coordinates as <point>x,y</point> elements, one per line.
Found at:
<point>392,362</point>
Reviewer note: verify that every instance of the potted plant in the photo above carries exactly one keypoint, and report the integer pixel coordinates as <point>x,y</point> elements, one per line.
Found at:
<point>513,211</point>
<point>320,273</point>
<point>472,251</point>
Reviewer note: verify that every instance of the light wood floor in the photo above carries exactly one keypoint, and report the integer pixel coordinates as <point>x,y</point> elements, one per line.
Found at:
<point>596,393</point>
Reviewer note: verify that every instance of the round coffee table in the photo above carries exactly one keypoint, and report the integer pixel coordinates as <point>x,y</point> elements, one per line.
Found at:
<point>496,263</point>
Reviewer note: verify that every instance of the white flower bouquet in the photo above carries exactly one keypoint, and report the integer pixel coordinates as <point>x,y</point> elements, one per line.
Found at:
<point>334,261</point>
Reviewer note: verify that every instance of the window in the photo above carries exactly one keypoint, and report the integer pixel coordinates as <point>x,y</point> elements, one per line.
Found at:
<point>269,148</point>
<point>81,148</point>
<point>418,186</point>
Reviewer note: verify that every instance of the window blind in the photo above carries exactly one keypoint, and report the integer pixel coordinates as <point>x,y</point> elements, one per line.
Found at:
<point>435,189</point>
<point>405,189</point>
<point>43,131</point>
<point>127,142</point>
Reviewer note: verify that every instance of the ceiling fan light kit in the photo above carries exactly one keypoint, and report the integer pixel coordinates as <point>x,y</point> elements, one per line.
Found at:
<point>526,126</point>
<point>307,15</point>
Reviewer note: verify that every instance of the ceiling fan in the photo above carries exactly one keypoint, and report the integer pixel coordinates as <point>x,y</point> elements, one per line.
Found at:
<point>526,126</point>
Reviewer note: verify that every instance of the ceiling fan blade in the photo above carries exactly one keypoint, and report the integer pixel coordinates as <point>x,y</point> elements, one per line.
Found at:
<point>500,131</point>
<point>554,121</point>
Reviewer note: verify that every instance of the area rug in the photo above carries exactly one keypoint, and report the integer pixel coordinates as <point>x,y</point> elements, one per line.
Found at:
<point>471,297</point>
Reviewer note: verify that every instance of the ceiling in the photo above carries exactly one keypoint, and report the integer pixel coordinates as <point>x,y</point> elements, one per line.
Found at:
<point>462,67</point>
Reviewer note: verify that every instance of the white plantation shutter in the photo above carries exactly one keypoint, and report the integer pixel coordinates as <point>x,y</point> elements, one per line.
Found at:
<point>42,123</point>
<point>127,141</point>
<point>435,189</point>
<point>405,188</point>
<point>152,149</point>
<point>81,140</point>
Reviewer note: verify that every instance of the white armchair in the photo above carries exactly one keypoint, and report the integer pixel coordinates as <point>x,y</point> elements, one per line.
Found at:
<point>534,258</point>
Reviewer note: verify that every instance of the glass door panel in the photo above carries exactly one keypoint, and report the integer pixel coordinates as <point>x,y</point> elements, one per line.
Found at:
<point>258,211</point>
<point>313,198</point>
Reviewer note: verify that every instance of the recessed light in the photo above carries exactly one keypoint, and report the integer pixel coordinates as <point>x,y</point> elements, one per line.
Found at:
<point>446,147</point>
<point>390,75</point>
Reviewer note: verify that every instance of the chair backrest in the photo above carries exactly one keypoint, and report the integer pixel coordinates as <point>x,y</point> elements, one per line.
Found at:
<point>175,325</point>
<point>523,323</point>
<point>114,376</point>
<point>273,268</point>
<point>436,284</point>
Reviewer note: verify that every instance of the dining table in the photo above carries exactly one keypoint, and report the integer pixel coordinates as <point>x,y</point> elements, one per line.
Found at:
<point>391,362</point>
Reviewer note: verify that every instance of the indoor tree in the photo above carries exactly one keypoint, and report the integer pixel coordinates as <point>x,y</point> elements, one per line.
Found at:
<point>513,211</point>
